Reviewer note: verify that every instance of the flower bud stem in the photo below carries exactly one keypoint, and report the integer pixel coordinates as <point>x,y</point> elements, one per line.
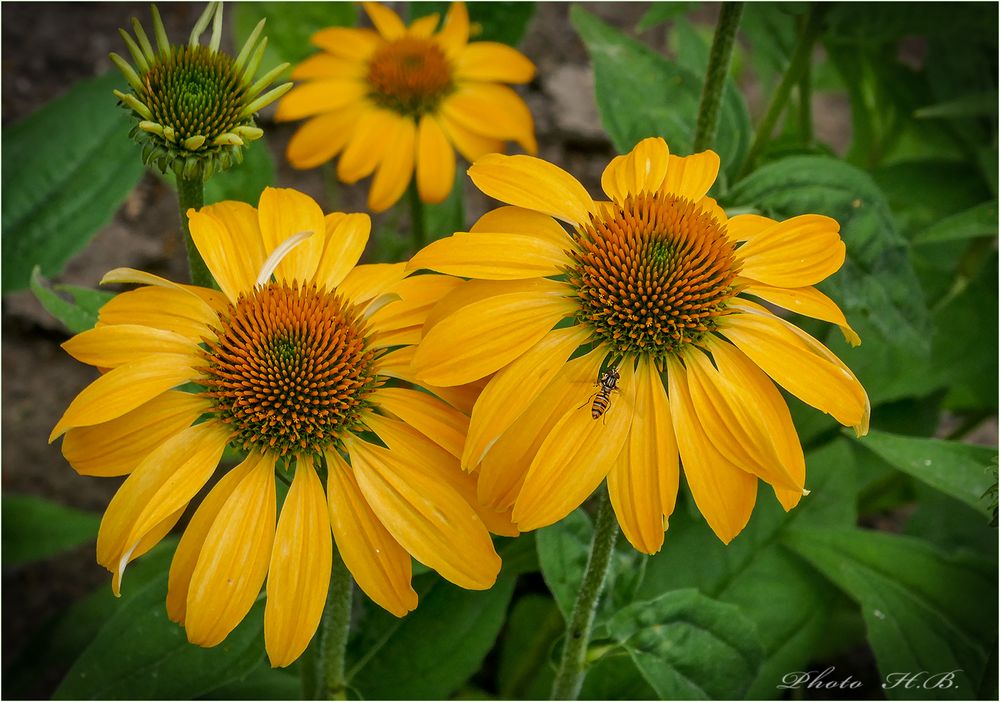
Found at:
<point>417,224</point>
<point>191,194</point>
<point>569,678</point>
<point>715,79</point>
<point>336,627</point>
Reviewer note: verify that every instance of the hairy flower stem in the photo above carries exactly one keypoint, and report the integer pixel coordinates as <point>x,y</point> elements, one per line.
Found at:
<point>336,627</point>
<point>569,678</point>
<point>191,194</point>
<point>715,79</point>
<point>796,68</point>
<point>417,230</point>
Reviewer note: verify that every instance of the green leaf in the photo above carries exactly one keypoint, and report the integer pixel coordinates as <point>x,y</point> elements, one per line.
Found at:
<point>978,221</point>
<point>614,676</point>
<point>976,105</point>
<point>661,12</point>
<point>246,181</point>
<point>140,654</point>
<point>532,629</point>
<point>876,287</point>
<point>563,550</point>
<point>954,468</point>
<point>432,651</point>
<point>496,21</point>
<point>642,94</point>
<point>688,646</point>
<point>35,528</point>
<point>78,315</point>
<point>263,683</point>
<point>924,611</point>
<point>949,524</point>
<point>290,25</point>
<point>66,170</point>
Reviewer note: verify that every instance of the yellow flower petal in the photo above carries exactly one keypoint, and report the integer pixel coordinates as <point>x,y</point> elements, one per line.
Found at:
<point>725,495</point>
<point>470,144</point>
<point>455,32</point>
<point>746,227</point>
<point>381,567</point>
<point>364,151</point>
<point>319,96</point>
<point>348,43</point>
<point>798,252</point>
<point>162,483</point>
<point>345,241</point>
<point>492,61</point>
<point>228,239</point>
<point>417,296</point>
<point>112,346</point>
<point>484,336</point>
<point>171,310</point>
<point>385,20</point>
<point>470,291</point>
<point>423,26</point>
<point>575,457</point>
<point>443,425</point>
<point>807,301</point>
<point>492,110</point>
<point>396,166</point>
<point>640,171</point>
<point>800,364</point>
<point>517,220</point>
<point>118,446</point>
<point>643,482</point>
<point>493,256</point>
<point>368,281</point>
<point>282,213</point>
<point>321,138</point>
<point>691,176</point>
<point>210,301</point>
<point>534,184</point>
<point>324,66</point>
<point>186,556</point>
<point>429,519</point>
<point>234,557</point>
<point>435,162</point>
<point>506,463</point>
<point>301,562</point>
<point>126,387</point>
<point>514,388</point>
<point>709,204</point>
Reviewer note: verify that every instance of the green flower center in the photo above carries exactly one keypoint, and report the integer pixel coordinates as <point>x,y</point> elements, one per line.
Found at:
<point>290,370</point>
<point>410,76</point>
<point>652,273</point>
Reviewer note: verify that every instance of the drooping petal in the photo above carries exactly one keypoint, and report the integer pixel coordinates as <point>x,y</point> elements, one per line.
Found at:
<point>725,495</point>
<point>484,336</point>
<point>387,22</point>
<point>470,144</point>
<point>493,256</point>
<point>301,563</point>
<point>517,220</point>
<point>807,301</point>
<point>118,446</point>
<point>534,184</point>
<point>643,482</point>
<point>381,567</point>
<point>434,419</point>
<point>435,161</point>
<point>455,32</point>
<point>640,171</point>
<point>162,483</point>
<point>396,167</point>
<point>162,308</point>
<point>186,556</point>
<point>364,151</point>
<point>800,364</point>
<point>429,519</point>
<point>112,346</point>
<point>317,97</point>
<point>348,43</point>
<point>282,213</point>
<point>492,110</point>
<point>575,457</point>
<point>514,388</point>
<point>234,557</point>
<point>322,137</point>
<point>796,253</point>
<point>228,238</point>
<point>493,62</point>
<point>691,176</point>
<point>124,388</point>
<point>346,238</point>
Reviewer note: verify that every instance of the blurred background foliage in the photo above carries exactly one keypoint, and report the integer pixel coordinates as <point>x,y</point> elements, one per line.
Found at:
<point>889,566</point>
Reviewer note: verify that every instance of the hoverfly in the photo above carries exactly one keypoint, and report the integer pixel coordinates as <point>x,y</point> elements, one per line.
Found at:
<point>608,383</point>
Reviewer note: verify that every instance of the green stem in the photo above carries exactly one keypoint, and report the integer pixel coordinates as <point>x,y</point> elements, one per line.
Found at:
<point>715,79</point>
<point>796,67</point>
<point>191,195</point>
<point>416,218</point>
<point>569,678</point>
<point>336,627</point>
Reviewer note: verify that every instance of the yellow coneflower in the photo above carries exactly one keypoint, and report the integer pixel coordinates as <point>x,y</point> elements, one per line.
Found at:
<point>400,99</point>
<point>630,342</point>
<point>293,366</point>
